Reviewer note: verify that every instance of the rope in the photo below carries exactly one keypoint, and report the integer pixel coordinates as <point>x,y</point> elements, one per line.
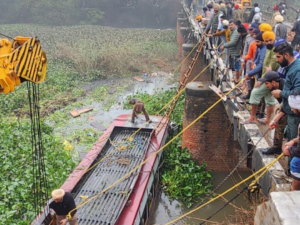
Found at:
<point>229,201</point>
<point>234,169</point>
<point>262,170</point>
<point>7,36</point>
<point>40,184</point>
<point>176,96</point>
<point>152,155</point>
<point>180,92</point>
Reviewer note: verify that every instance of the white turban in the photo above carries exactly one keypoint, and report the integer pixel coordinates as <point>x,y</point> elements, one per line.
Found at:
<point>294,101</point>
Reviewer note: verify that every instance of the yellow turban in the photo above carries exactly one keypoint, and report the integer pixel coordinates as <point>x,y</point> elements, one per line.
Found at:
<point>268,35</point>
<point>265,27</point>
<point>199,17</point>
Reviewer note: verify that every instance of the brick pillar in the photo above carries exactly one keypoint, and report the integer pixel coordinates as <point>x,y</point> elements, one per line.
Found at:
<point>210,139</point>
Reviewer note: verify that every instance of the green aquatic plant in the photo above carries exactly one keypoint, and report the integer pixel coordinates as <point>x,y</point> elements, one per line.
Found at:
<point>182,177</point>
<point>17,197</point>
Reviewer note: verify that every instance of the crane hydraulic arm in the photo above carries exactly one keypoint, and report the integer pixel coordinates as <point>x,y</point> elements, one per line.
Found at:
<point>21,59</point>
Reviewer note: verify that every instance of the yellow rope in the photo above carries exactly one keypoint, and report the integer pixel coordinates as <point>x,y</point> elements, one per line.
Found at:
<point>263,169</point>
<point>152,155</point>
<point>174,98</point>
<point>179,93</point>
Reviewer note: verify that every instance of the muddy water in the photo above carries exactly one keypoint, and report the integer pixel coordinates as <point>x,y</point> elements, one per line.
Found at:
<point>167,210</point>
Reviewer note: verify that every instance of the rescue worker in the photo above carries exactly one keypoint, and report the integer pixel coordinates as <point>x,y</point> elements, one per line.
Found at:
<point>63,203</point>
<point>137,109</point>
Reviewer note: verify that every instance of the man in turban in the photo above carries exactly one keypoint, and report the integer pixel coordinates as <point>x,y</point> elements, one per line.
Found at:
<point>260,91</point>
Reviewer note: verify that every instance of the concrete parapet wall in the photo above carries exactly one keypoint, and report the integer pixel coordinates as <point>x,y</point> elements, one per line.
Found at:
<point>247,135</point>
<point>281,209</point>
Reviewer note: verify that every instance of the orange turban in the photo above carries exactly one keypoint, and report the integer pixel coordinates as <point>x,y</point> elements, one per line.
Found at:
<point>265,27</point>
<point>269,35</point>
<point>199,17</point>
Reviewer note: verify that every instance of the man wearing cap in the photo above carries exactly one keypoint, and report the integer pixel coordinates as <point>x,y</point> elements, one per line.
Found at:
<point>285,57</point>
<point>237,13</point>
<point>63,203</point>
<point>272,81</point>
<point>137,109</point>
<point>292,148</point>
<point>280,29</point>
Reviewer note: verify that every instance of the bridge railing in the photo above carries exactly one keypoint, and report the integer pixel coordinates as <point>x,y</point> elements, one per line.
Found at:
<point>246,137</point>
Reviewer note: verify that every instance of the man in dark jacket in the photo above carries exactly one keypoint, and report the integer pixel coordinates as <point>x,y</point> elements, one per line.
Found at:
<point>252,13</point>
<point>229,11</point>
<point>63,203</point>
<point>296,29</point>
<point>285,57</point>
<point>292,148</point>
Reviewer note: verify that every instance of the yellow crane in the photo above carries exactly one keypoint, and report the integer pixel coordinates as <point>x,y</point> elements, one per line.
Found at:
<point>21,59</point>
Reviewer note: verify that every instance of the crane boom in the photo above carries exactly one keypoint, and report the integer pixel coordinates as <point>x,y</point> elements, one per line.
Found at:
<point>21,59</point>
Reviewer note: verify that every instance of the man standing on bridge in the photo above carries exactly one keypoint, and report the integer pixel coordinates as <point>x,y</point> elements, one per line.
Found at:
<point>289,148</point>
<point>284,54</point>
<point>272,81</point>
<point>234,47</point>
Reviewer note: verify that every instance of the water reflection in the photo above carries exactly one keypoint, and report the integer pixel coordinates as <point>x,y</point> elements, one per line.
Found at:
<point>168,210</point>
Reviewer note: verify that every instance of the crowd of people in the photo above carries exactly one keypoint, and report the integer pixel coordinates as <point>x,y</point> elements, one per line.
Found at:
<point>267,57</point>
